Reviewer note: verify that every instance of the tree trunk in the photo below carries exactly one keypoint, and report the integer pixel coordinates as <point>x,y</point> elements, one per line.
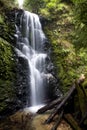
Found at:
<point>50,105</point>
<point>72,122</point>
<point>61,105</point>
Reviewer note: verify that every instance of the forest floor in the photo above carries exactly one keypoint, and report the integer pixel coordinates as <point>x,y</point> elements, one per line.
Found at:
<point>22,120</point>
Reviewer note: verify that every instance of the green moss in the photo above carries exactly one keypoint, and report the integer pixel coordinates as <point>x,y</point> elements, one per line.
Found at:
<point>82,98</point>
<point>6,59</point>
<point>7,74</point>
<point>69,59</point>
<point>7,4</point>
<point>1,19</point>
<point>67,33</point>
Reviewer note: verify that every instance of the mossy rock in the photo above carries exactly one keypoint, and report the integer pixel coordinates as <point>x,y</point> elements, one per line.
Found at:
<point>6,60</point>
<point>7,74</point>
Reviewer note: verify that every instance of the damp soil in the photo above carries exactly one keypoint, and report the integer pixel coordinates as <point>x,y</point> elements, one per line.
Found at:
<point>22,120</point>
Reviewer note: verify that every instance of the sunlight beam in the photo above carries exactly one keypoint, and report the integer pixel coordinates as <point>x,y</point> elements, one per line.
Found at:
<point>20,2</point>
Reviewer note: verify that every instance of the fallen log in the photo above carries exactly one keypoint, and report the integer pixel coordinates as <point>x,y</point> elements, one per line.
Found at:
<point>83,119</point>
<point>65,100</point>
<point>50,105</point>
<point>61,105</point>
<point>58,121</point>
<point>72,122</point>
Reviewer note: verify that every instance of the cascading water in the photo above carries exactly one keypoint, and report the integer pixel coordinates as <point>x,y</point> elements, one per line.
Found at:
<point>20,3</point>
<point>30,39</point>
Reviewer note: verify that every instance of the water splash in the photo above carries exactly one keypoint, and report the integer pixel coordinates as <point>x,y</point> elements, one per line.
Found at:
<point>34,109</point>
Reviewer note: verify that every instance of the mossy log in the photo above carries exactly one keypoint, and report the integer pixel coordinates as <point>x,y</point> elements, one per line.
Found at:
<point>58,121</point>
<point>61,105</point>
<point>83,119</point>
<point>69,118</point>
<point>82,99</point>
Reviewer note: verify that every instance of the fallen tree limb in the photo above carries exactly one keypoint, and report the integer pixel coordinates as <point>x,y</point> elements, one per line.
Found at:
<point>58,121</point>
<point>66,99</point>
<point>72,122</point>
<point>61,105</point>
<point>50,105</point>
<point>83,119</point>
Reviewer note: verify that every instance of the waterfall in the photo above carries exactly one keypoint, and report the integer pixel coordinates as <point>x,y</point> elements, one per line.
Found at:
<point>30,39</point>
<point>20,3</point>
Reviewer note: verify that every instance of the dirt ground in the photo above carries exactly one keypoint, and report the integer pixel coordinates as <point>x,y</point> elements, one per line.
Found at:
<point>22,120</point>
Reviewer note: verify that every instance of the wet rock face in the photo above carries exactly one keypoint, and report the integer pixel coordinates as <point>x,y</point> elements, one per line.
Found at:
<point>13,80</point>
<point>22,80</point>
<point>8,101</point>
<point>7,28</point>
<point>22,69</point>
<point>18,14</point>
<point>51,82</point>
<point>43,21</point>
<point>52,88</point>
